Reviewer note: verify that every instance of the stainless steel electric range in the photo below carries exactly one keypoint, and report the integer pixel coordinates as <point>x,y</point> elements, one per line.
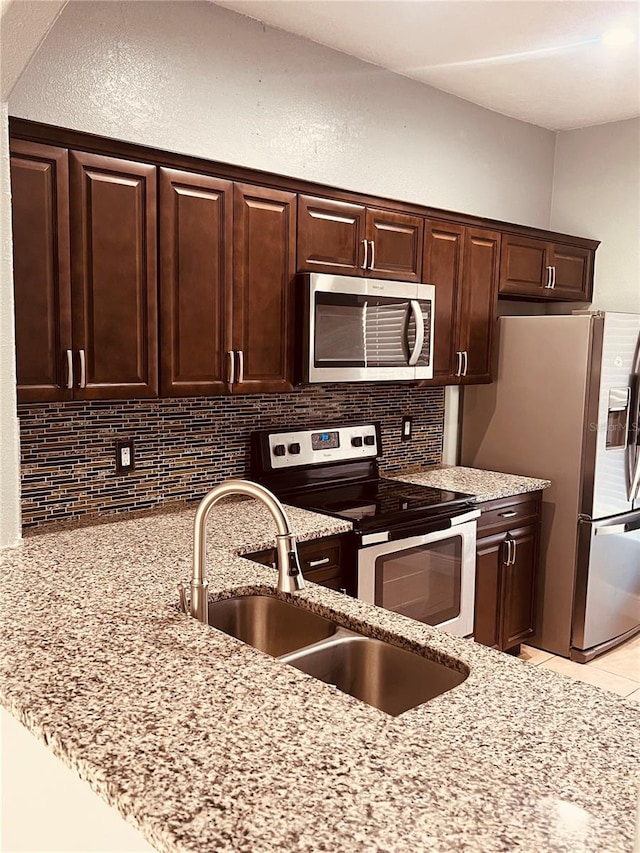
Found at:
<point>414,545</point>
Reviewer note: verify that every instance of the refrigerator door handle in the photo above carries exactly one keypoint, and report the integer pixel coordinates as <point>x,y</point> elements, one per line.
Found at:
<point>627,527</point>
<point>633,446</point>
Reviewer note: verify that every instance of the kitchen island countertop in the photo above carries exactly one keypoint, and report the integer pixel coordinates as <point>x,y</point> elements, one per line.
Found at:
<point>485,485</point>
<point>205,744</point>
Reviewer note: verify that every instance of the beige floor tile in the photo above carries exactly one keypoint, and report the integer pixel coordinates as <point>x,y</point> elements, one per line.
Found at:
<point>534,656</point>
<point>635,696</point>
<point>624,660</point>
<point>598,677</point>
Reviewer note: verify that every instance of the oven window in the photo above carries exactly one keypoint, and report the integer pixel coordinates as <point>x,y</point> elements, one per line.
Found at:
<point>423,582</point>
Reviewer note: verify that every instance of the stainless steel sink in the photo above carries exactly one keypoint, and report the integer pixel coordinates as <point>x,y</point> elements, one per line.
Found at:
<point>382,675</point>
<point>269,624</point>
<point>378,673</point>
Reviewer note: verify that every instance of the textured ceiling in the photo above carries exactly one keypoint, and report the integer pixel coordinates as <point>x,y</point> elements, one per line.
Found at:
<point>542,62</point>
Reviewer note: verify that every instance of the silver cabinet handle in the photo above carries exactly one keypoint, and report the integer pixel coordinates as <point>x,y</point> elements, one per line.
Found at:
<point>515,552</point>
<point>506,560</point>
<point>458,364</point>
<point>366,254</point>
<point>373,255</point>
<point>419,320</point>
<point>511,552</point>
<point>508,514</point>
<point>548,284</point>
<point>322,562</point>
<point>83,370</point>
<point>69,368</point>
<point>232,366</point>
<point>465,362</point>
<point>240,355</point>
<point>553,277</point>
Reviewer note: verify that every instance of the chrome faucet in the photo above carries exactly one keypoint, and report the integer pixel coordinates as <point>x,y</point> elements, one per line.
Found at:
<point>289,572</point>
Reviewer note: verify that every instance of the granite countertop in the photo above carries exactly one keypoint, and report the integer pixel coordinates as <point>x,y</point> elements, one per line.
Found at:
<point>485,485</point>
<point>205,744</point>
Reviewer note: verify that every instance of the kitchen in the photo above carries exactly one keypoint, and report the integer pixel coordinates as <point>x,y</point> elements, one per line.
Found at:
<point>458,175</point>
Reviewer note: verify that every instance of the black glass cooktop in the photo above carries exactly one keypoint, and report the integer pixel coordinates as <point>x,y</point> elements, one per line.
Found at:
<point>378,503</point>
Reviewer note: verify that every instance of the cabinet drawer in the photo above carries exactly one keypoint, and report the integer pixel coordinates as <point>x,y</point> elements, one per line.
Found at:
<point>319,556</point>
<point>507,513</point>
<point>320,560</point>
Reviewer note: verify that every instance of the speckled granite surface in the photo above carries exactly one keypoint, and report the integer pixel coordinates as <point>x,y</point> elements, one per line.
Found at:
<point>486,485</point>
<point>205,744</point>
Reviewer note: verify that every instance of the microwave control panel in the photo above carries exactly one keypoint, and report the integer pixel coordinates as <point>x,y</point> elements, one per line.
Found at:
<point>296,448</point>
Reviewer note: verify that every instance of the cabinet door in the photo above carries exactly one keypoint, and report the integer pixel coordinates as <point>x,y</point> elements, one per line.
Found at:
<point>264,258</point>
<point>443,250</point>
<point>41,271</point>
<point>490,554</point>
<point>330,236</point>
<point>479,302</point>
<point>573,272</point>
<point>113,237</point>
<point>518,588</point>
<point>523,266</point>
<point>397,240</point>
<point>196,234</point>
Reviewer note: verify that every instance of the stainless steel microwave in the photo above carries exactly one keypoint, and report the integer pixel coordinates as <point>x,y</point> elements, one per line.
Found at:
<point>365,329</point>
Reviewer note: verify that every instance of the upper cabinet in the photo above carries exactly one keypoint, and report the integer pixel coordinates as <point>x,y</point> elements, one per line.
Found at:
<point>196,238</point>
<point>113,276</point>
<point>85,275</point>
<point>536,268</point>
<point>351,239</point>
<point>42,271</point>
<point>462,263</point>
<point>227,263</point>
<point>264,259</point>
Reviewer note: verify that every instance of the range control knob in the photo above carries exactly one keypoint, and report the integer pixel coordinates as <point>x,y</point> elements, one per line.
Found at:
<point>294,448</point>
<point>356,441</point>
<point>279,450</point>
<point>370,440</point>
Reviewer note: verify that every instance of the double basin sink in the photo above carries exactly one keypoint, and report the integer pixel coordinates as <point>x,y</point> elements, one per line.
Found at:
<point>376,672</point>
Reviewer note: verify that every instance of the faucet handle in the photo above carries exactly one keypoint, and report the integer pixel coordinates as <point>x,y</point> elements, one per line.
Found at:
<point>183,596</point>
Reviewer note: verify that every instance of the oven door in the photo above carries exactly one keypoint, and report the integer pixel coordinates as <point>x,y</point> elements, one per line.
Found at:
<point>368,329</point>
<point>428,577</point>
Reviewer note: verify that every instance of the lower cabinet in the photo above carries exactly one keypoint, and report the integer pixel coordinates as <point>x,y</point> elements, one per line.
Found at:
<point>327,561</point>
<point>506,571</point>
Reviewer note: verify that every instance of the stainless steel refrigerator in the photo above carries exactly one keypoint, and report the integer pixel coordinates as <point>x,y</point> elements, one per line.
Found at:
<point>565,407</point>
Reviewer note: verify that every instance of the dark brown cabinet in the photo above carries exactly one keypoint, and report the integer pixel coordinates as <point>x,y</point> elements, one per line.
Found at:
<point>264,258</point>
<point>462,263</point>
<point>506,571</point>
<point>536,268</point>
<point>85,275</point>
<point>113,276</point>
<point>196,237</point>
<point>351,239</point>
<point>329,561</point>
<point>41,270</point>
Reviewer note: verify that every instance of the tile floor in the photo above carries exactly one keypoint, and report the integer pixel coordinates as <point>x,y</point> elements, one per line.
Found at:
<point>617,670</point>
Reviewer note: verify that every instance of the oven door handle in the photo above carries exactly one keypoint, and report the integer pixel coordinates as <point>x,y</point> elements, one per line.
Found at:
<point>467,516</point>
<point>419,320</point>
<point>420,528</point>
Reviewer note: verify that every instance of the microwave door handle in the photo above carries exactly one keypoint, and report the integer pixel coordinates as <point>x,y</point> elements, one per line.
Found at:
<point>419,321</point>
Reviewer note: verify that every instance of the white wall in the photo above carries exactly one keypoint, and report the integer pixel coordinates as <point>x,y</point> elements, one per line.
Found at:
<point>199,79</point>
<point>9,446</point>
<point>596,193</point>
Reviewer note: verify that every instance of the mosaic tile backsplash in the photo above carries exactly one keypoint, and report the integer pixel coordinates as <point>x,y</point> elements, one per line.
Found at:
<point>184,447</point>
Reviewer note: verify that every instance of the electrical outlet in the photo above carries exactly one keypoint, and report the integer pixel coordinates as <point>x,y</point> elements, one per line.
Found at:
<point>406,428</point>
<point>124,456</point>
